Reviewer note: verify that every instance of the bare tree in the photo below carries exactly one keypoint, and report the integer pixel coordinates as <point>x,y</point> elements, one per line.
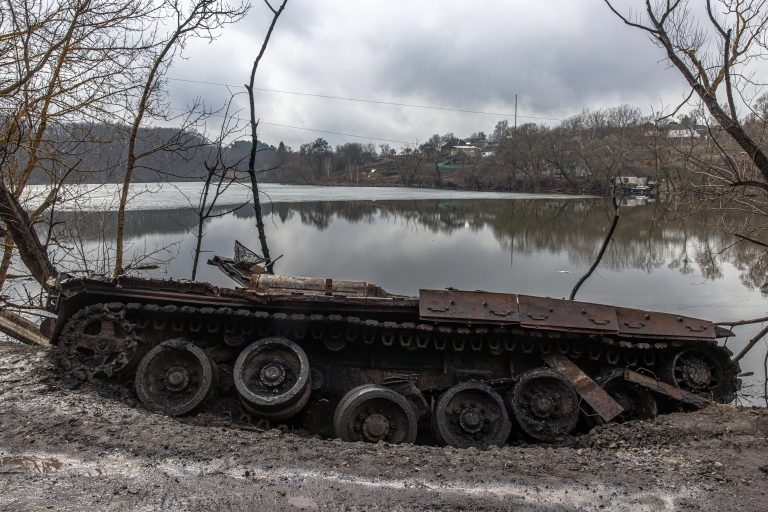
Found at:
<point>714,52</point>
<point>350,157</point>
<point>715,48</point>
<point>607,140</point>
<point>204,18</point>
<point>501,131</point>
<point>254,124</point>
<point>72,71</point>
<point>317,154</point>
<point>560,152</point>
<point>408,163</point>
<point>221,173</point>
<point>60,62</point>
<point>431,151</point>
<point>523,151</point>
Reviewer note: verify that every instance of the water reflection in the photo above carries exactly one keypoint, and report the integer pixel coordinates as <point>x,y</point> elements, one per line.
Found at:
<point>646,239</point>
<point>633,200</point>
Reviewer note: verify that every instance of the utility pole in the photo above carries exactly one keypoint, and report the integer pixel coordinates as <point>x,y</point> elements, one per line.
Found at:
<point>515,111</point>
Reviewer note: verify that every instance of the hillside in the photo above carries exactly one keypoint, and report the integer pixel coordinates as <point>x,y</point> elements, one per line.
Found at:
<point>98,151</point>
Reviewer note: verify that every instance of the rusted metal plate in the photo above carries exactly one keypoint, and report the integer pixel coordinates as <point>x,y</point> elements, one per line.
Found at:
<point>669,390</point>
<point>650,324</point>
<point>463,306</point>
<point>547,313</point>
<point>588,389</point>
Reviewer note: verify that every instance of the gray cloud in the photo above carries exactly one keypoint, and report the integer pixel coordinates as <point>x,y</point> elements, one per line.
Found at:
<point>558,56</point>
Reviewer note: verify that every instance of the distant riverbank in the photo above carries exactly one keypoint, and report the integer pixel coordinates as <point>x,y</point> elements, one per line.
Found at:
<point>174,195</point>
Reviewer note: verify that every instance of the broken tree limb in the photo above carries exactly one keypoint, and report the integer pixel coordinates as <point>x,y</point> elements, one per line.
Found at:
<point>602,249</point>
<point>753,240</point>
<point>22,329</point>
<point>744,322</point>
<point>765,378</point>
<point>751,344</point>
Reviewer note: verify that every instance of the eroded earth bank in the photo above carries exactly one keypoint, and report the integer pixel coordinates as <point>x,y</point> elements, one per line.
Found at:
<point>70,446</point>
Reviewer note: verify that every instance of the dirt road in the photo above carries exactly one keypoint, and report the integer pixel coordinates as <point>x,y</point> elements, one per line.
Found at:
<point>66,446</point>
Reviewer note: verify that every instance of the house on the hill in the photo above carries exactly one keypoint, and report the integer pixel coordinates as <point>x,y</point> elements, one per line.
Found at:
<point>473,147</point>
<point>446,147</point>
<point>489,150</point>
<point>465,150</point>
<point>687,131</point>
<point>633,181</point>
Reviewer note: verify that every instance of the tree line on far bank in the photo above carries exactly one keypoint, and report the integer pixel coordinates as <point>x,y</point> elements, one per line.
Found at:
<point>581,154</point>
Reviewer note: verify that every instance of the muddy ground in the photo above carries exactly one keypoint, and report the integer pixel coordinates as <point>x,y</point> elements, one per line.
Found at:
<point>65,446</point>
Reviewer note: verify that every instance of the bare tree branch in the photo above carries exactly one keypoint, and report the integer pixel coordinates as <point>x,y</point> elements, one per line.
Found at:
<point>254,123</point>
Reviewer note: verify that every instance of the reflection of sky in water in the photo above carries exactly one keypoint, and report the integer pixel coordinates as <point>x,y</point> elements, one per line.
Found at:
<point>393,249</point>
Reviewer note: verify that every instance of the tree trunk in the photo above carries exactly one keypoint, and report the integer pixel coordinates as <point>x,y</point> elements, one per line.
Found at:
<point>260,221</point>
<point>201,221</point>
<point>600,253</point>
<point>33,254</point>
<point>5,262</point>
<point>254,140</point>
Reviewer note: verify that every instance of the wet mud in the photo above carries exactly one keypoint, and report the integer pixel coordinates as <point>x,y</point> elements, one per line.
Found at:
<point>70,446</point>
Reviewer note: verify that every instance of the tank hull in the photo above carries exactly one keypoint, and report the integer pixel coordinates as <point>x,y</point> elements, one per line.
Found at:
<point>460,347</point>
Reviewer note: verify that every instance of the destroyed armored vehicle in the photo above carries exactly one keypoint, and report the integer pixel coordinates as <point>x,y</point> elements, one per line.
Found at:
<point>348,359</point>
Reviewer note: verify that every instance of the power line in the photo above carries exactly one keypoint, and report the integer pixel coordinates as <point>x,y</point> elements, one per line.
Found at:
<point>338,133</point>
<point>364,100</point>
<point>303,128</point>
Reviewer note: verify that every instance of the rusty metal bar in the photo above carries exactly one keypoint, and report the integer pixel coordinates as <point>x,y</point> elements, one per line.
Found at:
<point>669,390</point>
<point>588,389</point>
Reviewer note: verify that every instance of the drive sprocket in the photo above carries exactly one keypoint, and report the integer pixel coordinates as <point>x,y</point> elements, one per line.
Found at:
<point>98,341</point>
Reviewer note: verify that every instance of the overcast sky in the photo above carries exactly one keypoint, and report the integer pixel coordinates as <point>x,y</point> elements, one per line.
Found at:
<point>559,56</point>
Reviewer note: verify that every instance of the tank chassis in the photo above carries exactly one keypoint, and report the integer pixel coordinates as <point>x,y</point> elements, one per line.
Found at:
<point>348,359</point>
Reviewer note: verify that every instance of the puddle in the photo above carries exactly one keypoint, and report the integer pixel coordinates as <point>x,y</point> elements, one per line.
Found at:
<point>302,502</point>
<point>28,464</point>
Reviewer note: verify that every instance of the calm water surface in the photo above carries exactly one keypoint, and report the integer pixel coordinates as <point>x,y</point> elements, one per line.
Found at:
<point>538,246</point>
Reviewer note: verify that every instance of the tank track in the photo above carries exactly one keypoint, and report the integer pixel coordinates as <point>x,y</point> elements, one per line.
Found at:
<point>223,332</point>
<point>238,326</point>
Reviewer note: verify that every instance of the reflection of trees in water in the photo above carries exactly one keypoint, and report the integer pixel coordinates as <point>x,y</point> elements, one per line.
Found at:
<point>84,241</point>
<point>752,263</point>
<point>647,237</point>
<point>138,222</point>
